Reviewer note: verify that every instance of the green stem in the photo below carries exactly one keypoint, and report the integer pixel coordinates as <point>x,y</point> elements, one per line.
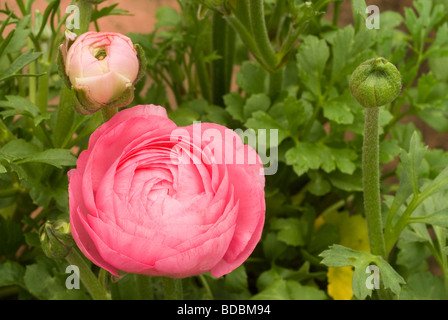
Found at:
<point>441,244</point>
<point>260,33</point>
<point>8,292</point>
<point>204,79</point>
<point>32,80</point>
<point>224,45</point>
<point>91,282</point>
<point>144,287</point>
<point>102,278</point>
<point>206,286</point>
<point>11,191</point>
<point>275,19</point>
<point>85,14</point>
<point>337,9</point>
<point>43,90</point>
<point>5,134</point>
<point>290,40</point>
<point>394,231</point>
<point>65,117</point>
<point>275,82</point>
<point>246,36</point>
<point>108,113</point>
<point>371,182</point>
<point>173,289</point>
<point>309,125</point>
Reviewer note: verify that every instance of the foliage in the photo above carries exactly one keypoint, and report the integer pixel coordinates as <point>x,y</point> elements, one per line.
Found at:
<point>314,200</point>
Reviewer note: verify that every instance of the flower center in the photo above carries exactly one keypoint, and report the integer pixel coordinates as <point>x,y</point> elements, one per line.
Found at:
<point>100,53</point>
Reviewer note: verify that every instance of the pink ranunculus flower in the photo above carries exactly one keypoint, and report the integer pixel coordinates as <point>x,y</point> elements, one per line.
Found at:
<point>152,198</point>
<point>102,68</point>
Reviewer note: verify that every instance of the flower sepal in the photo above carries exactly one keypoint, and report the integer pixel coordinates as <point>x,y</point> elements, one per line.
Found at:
<point>86,106</point>
<point>56,239</point>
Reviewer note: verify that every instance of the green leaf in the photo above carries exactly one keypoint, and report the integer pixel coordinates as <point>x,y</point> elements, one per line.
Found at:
<point>318,185</point>
<point>11,237</point>
<point>325,236</point>
<point>338,112</point>
<point>217,115</point>
<point>21,33</point>
<point>424,286</point>
<point>236,281</point>
<point>439,184</point>
<point>289,290</point>
<point>109,11</point>
<point>46,286</point>
<point>413,255</point>
<point>273,247</point>
<point>438,67</point>
<point>11,273</point>
<point>437,159</point>
<point>438,48</point>
<point>289,231</point>
<point>303,157</point>
<point>340,256</point>
<point>403,133</point>
<point>411,162</point>
<point>19,105</point>
<point>18,64</point>
<point>251,78</point>
<point>262,121</point>
<point>359,12</point>
<point>234,103</point>
<point>347,182</point>
<point>32,239</point>
<point>55,157</point>
<point>311,60</point>
<point>435,118</point>
<point>183,117</point>
<point>389,149</point>
<point>296,112</point>
<point>256,102</point>
<point>300,292</point>
<point>439,218</point>
<point>342,44</point>
<point>125,288</point>
<point>167,17</point>
<point>343,159</point>
<point>428,17</point>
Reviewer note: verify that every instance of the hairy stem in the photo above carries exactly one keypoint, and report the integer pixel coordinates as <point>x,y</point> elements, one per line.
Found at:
<point>224,44</point>
<point>85,14</point>
<point>108,113</point>
<point>87,277</point>
<point>144,287</point>
<point>260,33</point>
<point>173,289</point>
<point>371,182</point>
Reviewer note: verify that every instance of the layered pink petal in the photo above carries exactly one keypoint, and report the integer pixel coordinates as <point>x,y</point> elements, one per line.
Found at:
<point>150,198</point>
<point>103,88</point>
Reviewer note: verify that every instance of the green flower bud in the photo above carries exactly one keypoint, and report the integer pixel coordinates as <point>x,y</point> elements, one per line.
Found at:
<point>56,239</point>
<point>375,82</point>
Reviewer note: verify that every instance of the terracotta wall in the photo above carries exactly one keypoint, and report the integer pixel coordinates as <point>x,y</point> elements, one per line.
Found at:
<point>143,11</point>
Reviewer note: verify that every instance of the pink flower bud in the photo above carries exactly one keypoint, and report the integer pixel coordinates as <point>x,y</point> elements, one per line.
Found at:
<point>102,68</point>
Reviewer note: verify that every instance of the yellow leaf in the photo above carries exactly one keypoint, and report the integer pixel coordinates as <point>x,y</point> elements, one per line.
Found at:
<point>352,234</point>
<point>340,283</point>
<point>318,223</point>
